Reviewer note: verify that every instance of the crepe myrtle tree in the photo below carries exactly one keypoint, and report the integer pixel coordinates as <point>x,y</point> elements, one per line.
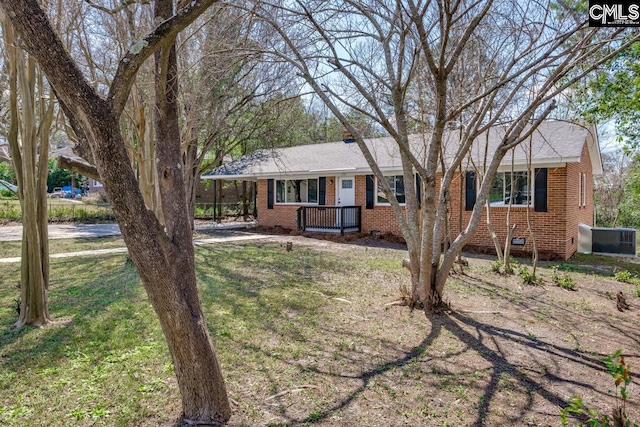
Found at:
<point>163,254</point>
<point>31,107</point>
<point>446,71</point>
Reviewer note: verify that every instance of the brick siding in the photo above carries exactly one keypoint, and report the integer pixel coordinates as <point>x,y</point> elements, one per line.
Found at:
<point>380,218</point>
<point>284,215</point>
<point>578,214</point>
<point>549,227</point>
<point>556,230</point>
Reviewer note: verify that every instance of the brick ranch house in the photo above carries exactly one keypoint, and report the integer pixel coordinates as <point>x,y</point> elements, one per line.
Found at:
<point>330,187</point>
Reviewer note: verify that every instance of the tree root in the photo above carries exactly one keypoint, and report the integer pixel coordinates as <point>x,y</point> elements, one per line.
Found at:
<point>399,302</point>
<point>404,301</point>
<point>436,305</point>
<point>621,302</point>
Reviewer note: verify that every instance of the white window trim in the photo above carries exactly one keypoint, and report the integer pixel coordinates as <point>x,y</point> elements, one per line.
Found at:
<point>375,200</point>
<point>583,190</point>
<point>532,192</point>
<point>579,189</point>
<point>275,193</point>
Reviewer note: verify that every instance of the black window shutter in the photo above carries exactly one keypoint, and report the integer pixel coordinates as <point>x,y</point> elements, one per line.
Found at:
<point>270,194</point>
<point>470,190</point>
<point>322,190</point>
<point>419,190</point>
<point>540,197</point>
<point>370,192</point>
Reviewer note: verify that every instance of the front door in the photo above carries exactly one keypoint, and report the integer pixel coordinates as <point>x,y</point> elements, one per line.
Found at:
<point>346,191</point>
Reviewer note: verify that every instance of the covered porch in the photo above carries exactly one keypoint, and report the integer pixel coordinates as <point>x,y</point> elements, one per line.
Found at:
<point>329,219</point>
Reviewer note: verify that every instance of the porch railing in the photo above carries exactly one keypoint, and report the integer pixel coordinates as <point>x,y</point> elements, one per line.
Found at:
<point>330,219</point>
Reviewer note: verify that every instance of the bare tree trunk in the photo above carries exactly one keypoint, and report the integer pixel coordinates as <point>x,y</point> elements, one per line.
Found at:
<point>507,248</point>
<point>199,376</point>
<point>510,229</point>
<point>460,201</point>
<point>28,138</point>
<point>530,179</point>
<point>162,253</point>
<point>492,233</point>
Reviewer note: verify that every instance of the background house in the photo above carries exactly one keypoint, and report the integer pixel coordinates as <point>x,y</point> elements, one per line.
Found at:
<point>559,195</point>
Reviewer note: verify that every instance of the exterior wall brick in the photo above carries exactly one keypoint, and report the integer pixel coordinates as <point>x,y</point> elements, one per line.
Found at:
<point>380,218</point>
<point>556,230</point>
<point>578,214</point>
<point>549,227</point>
<point>285,215</point>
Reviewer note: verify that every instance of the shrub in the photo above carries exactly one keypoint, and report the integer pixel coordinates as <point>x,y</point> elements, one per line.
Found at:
<point>496,266</point>
<point>625,276</point>
<point>8,194</point>
<point>563,280</point>
<point>527,277</point>
<point>619,370</point>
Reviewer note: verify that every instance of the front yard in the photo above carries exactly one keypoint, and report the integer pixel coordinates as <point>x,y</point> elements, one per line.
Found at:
<point>304,338</point>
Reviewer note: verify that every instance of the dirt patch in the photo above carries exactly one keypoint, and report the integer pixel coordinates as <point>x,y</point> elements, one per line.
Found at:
<point>363,239</point>
<point>508,354</point>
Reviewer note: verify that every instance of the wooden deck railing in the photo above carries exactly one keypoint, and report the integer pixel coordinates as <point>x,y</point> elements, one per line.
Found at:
<point>330,219</point>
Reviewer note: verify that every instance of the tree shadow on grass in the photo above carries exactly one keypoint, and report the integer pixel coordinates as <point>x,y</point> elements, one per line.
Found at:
<point>86,301</point>
<point>500,366</point>
<point>365,377</point>
<point>538,303</point>
<point>231,287</point>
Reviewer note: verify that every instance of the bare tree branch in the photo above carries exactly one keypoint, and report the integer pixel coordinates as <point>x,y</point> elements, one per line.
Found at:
<point>76,165</point>
<point>117,9</point>
<point>162,35</point>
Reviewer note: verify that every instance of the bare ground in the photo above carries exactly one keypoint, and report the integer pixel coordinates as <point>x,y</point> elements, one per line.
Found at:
<point>508,354</point>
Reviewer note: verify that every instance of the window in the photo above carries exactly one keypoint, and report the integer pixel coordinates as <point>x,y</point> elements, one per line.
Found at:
<point>396,182</point>
<point>96,183</point>
<point>500,193</point>
<point>582,189</point>
<point>297,191</point>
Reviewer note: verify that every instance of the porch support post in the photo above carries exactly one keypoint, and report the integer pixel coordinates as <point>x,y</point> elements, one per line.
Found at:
<point>215,198</point>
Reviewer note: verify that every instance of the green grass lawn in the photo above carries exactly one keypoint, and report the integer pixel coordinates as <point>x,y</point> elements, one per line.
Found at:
<point>304,339</point>
<point>56,246</point>
<point>106,362</point>
<point>13,249</point>
<point>59,210</point>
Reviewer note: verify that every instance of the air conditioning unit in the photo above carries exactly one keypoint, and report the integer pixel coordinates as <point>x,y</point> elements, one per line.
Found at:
<point>611,241</point>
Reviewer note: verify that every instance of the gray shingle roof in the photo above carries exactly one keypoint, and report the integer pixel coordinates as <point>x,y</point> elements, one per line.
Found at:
<point>553,143</point>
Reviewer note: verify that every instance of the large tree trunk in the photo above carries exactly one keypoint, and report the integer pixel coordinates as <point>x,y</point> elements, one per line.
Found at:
<point>203,393</point>
<point>191,177</point>
<point>163,254</point>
